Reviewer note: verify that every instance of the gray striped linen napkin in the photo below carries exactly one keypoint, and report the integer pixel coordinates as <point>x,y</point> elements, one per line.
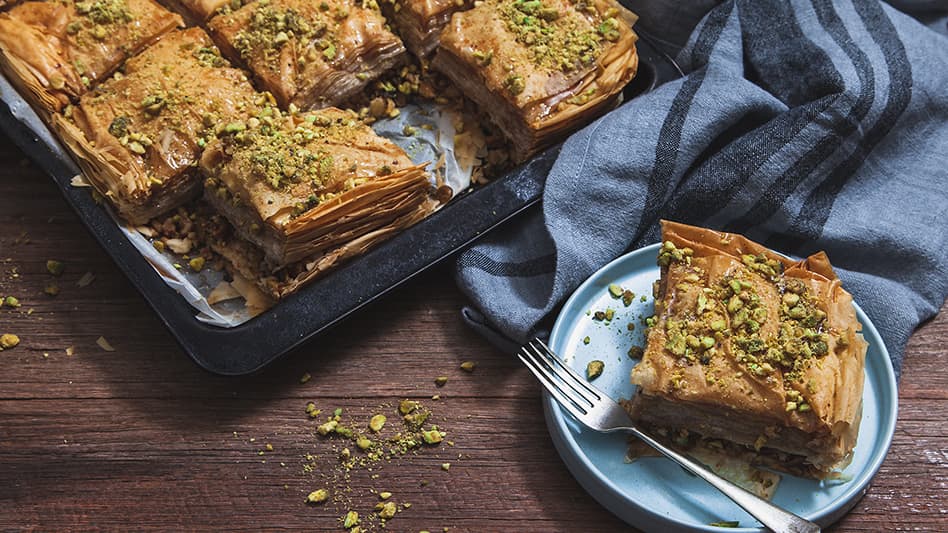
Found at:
<point>804,125</point>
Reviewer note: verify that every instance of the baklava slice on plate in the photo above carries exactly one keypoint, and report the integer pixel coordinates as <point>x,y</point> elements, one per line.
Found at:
<point>540,68</point>
<point>753,349</point>
<point>309,53</point>
<point>309,189</point>
<point>54,51</point>
<point>420,22</point>
<point>139,135</point>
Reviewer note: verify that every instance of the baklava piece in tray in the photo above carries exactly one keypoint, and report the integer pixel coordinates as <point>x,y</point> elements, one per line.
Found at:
<point>54,51</point>
<point>753,349</point>
<point>540,68</point>
<point>311,54</point>
<point>304,191</point>
<point>419,22</point>
<point>139,135</point>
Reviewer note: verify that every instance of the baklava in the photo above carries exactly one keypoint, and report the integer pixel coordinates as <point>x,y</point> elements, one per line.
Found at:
<point>749,347</point>
<point>54,51</point>
<point>419,22</point>
<point>139,135</point>
<point>311,54</point>
<point>540,68</point>
<point>302,187</point>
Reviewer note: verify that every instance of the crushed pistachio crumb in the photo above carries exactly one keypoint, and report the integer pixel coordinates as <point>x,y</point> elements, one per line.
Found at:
<point>104,344</point>
<point>385,495</point>
<point>197,263</point>
<point>594,369</point>
<point>11,301</point>
<point>8,340</point>
<point>318,496</point>
<point>388,511</point>
<point>377,423</point>
<point>586,339</point>
<point>350,519</point>
<point>445,466</point>
<point>55,267</point>
<point>305,377</point>
<point>468,366</point>
<point>441,381</point>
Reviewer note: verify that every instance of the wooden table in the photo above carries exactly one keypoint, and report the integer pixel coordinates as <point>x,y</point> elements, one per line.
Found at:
<point>142,438</point>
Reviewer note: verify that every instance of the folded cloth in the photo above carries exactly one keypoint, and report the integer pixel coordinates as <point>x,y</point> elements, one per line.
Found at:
<point>805,125</point>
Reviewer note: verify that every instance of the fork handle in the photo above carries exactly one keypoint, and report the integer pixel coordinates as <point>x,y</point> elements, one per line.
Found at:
<point>768,514</point>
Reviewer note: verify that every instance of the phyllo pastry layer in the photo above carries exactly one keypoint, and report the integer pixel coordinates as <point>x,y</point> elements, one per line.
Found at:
<point>309,53</point>
<point>540,68</point>
<point>750,347</point>
<point>299,185</point>
<point>138,136</point>
<point>54,51</point>
<point>419,22</point>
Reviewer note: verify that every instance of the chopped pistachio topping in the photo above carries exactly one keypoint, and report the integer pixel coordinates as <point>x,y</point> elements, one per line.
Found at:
<point>669,253</point>
<point>282,157</point>
<point>272,27</point>
<point>594,369</point>
<point>10,301</point>
<point>104,12</point>
<point>556,40</point>
<point>515,84</point>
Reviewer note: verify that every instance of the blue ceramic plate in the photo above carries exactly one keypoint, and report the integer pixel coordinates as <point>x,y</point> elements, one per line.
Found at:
<point>653,493</point>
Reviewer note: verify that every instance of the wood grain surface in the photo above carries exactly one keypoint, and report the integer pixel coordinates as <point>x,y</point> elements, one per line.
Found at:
<point>141,438</point>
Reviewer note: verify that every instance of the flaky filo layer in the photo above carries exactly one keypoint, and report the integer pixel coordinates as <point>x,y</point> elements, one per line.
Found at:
<point>248,260</point>
<point>138,136</point>
<point>783,367</point>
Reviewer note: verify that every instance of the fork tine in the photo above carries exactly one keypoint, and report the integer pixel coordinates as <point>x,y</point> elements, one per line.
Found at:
<point>550,385</point>
<point>562,380</point>
<point>560,367</point>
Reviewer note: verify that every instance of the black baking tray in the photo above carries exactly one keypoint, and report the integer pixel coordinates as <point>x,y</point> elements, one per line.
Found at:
<point>316,307</point>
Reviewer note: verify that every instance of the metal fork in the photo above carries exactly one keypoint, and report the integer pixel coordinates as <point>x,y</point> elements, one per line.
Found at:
<point>599,412</point>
